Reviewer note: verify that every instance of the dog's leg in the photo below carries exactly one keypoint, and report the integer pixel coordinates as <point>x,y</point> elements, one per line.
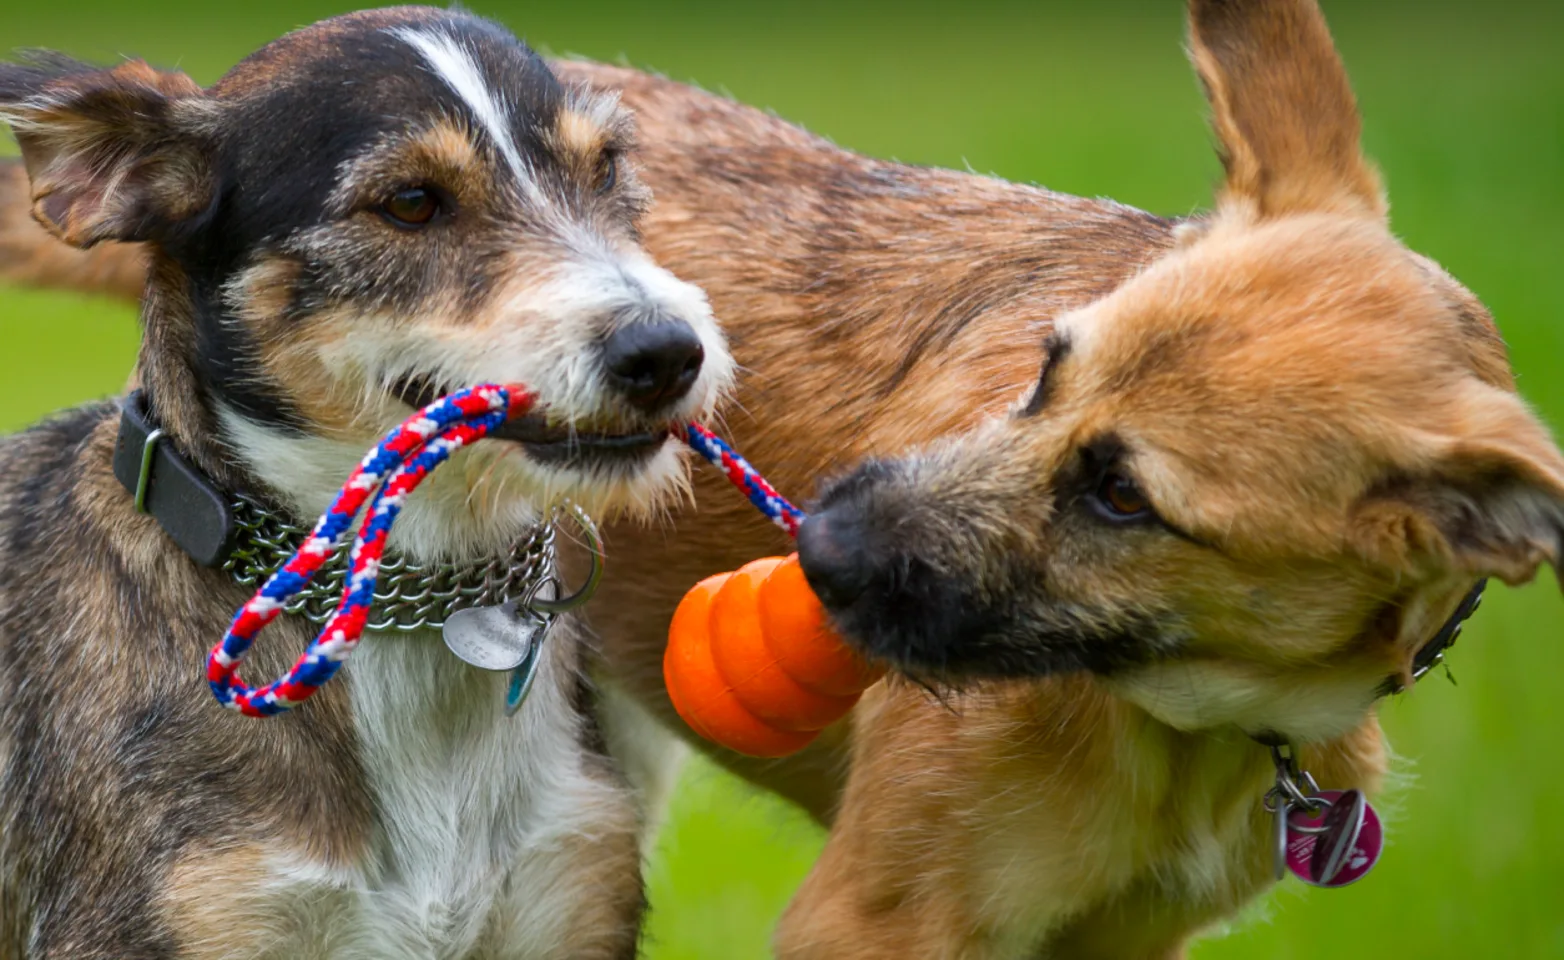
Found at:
<point>865,901</point>
<point>650,754</point>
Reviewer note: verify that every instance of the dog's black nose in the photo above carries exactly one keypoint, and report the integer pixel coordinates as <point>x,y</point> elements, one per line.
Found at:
<point>653,363</point>
<point>834,557</point>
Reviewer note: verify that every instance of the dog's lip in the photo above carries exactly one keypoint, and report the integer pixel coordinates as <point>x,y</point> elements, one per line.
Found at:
<point>554,441</point>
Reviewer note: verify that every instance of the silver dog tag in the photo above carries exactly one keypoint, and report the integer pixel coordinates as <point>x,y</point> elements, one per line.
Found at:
<point>493,638</point>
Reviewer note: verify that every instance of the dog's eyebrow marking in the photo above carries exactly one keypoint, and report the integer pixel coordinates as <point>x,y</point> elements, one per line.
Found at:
<point>455,66</point>
<point>1055,348</point>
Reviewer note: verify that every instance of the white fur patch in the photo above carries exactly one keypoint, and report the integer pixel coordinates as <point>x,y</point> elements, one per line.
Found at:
<point>1308,703</point>
<point>455,65</point>
<point>487,823</point>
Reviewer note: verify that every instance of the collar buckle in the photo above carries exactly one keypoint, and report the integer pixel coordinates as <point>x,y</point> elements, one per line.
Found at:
<point>192,511</point>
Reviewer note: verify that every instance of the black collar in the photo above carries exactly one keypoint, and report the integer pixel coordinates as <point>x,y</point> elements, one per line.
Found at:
<point>183,501</point>
<point>1432,653</point>
<point>1428,656</point>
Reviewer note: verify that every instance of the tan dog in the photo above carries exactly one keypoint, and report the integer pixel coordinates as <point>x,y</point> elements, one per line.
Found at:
<point>1268,453</point>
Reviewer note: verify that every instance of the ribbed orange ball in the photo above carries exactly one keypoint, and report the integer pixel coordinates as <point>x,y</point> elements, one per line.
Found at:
<point>744,657</point>
<point>794,625</point>
<point>752,665</point>
<point>700,693</point>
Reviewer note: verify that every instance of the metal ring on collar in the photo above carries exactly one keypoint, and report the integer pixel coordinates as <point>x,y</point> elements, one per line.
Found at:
<point>594,545</point>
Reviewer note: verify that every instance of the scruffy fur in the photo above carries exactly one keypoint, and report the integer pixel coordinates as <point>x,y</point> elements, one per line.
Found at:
<point>291,314</point>
<point>1323,423</point>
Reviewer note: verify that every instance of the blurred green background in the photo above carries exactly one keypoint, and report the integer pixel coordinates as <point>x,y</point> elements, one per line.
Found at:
<point>1464,109</point>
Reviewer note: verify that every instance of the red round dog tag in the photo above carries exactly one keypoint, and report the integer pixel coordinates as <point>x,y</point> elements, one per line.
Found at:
<point>1337,845</point>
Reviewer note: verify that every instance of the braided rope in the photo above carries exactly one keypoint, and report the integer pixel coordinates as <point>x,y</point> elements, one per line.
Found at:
<point>384,478</point>
<point>407,454</point>
<point>754,486</point>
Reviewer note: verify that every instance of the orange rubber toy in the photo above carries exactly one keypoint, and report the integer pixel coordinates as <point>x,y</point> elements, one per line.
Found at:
<point>752,664</point>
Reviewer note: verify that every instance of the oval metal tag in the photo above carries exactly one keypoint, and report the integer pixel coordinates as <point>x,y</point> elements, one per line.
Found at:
<point>493,638</point>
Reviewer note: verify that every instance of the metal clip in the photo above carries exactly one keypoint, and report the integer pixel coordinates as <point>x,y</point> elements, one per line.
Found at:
<point>594,544</point>
<point>148,448</point>
<point>1294,790</point>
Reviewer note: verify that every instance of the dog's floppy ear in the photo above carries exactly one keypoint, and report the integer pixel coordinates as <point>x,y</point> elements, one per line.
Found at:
<point>1284,113</point>
<point>1489,503</point>
<point>112,154</point>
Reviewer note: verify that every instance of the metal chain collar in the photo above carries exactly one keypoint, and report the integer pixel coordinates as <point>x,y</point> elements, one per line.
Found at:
<point>408,596</point>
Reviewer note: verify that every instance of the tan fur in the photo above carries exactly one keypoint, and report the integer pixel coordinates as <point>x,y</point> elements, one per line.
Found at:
<point>878,308</point>
<point>1275,370</point>
<point>110,269</point>
<point>587,127</point>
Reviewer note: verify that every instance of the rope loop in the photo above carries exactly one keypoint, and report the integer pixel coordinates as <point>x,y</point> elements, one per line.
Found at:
<point>386,475</point>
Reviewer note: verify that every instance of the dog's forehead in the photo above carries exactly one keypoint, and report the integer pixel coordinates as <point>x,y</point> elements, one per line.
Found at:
<point>377,57</point>
<point>1285,368</point>
<point>1291,315</point>
<point>317,97</point>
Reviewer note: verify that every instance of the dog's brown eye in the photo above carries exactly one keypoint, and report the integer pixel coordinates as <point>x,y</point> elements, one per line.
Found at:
<point>1121,498</point>
<point>607,173</point>
<point>412,208</point>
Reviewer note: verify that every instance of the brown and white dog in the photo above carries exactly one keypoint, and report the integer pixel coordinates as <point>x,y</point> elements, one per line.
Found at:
<point>1180,483</point>
<point>361,214</point>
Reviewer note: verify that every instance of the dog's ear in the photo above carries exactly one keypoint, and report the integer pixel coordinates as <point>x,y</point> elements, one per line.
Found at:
<point>1284,113</point>
<point>1488,503</point>
<point>112,154</point>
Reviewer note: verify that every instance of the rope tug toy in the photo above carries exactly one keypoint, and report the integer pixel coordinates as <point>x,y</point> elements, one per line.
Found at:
<point>751,663</point>
<point>408,454</point>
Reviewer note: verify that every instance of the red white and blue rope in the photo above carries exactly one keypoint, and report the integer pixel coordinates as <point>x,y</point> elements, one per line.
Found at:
<point>386,475</point>
<point>762,494</point>
<point>394,468</point>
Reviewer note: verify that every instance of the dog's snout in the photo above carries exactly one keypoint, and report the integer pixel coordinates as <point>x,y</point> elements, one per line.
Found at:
<point>653,364</point>
<point>835,557</point>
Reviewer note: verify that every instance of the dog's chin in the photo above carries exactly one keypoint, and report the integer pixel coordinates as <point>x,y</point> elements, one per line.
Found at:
<point>488,497</point>
<point>610,482</point>
<point>1305,705</point>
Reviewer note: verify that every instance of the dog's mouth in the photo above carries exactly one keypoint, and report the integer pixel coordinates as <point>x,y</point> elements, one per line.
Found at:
<point>552,442</point>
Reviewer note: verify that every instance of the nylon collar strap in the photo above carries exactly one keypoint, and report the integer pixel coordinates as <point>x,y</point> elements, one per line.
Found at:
<point>193,512</point>
<point>1432,653</point>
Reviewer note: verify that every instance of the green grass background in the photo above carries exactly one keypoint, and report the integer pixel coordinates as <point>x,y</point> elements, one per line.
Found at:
<point>1464,109</point>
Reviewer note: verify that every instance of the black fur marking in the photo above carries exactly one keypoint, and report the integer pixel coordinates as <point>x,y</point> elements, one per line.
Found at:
<point>34,70</point>
<point>584,702</point>
<point>932,627</point>
<point>229,368</point>
<point>1055,349</point>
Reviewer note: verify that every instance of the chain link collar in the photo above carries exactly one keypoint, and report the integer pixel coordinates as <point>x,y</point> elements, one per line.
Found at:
<point>408,596</point>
